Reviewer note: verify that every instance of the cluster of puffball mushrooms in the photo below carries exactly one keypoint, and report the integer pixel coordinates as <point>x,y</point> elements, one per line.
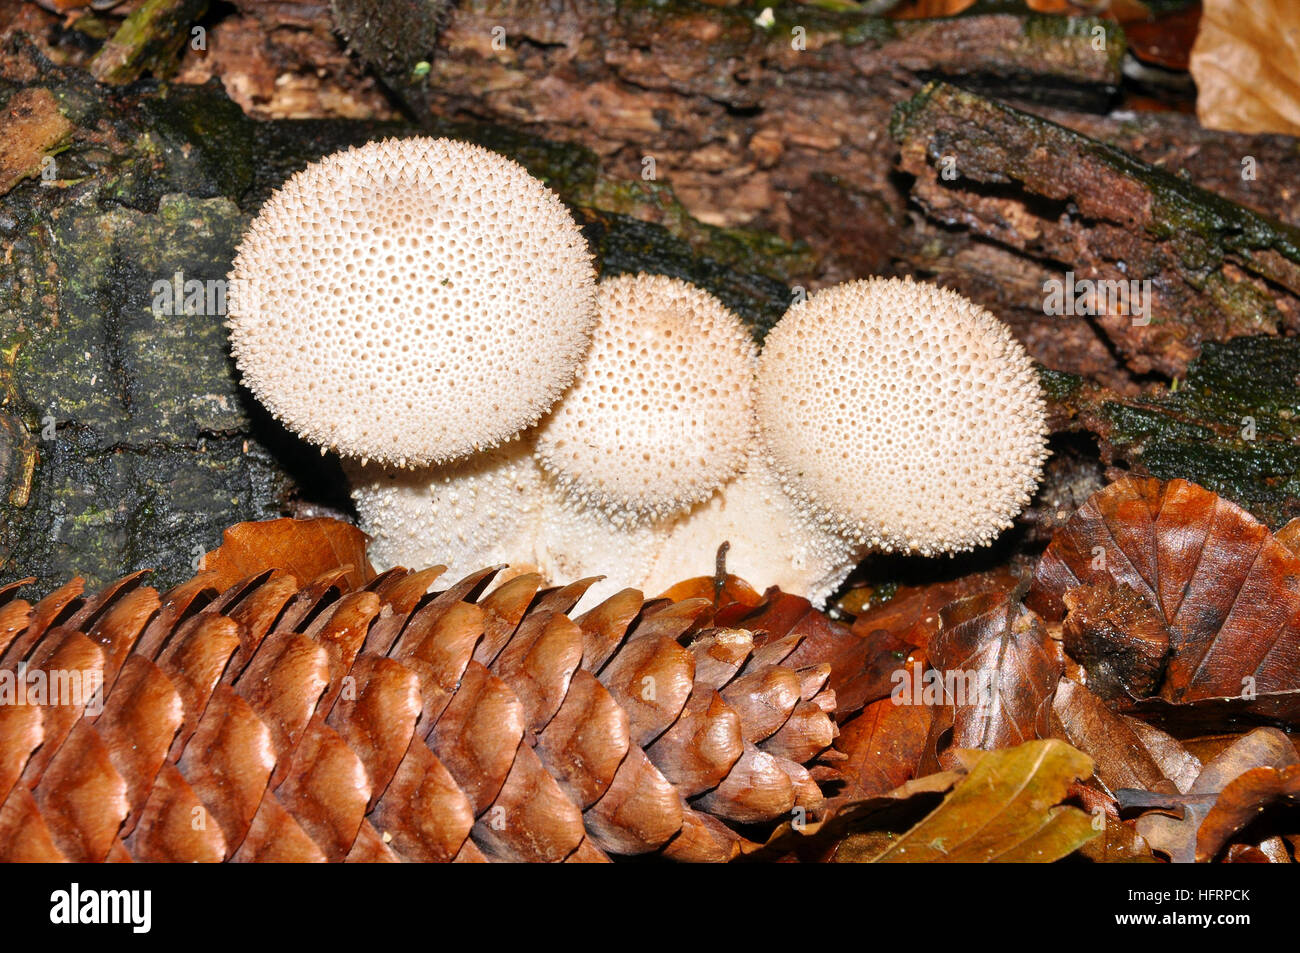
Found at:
<point>429,311</point>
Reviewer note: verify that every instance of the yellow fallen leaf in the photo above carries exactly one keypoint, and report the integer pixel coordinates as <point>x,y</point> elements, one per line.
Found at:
<point>1006,809</point>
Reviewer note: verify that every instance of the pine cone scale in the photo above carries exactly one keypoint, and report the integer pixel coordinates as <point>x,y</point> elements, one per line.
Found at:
<point>586,741</point>
<point>423,810</point>
<point>478,735</point>
<point>651,678</point>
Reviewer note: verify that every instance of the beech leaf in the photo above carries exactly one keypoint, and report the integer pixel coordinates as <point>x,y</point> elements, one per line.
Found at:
<point>1246,64</point>
<point>1007,809</point>
<point>307,548</point>
<point>884,745</point>
<point>1242,801</point>
<point>999,671</point>
<point>881,814</point>
<point>1227,590</point>
<point>1174,821</point>
<point>1119,843</point>
<point>912,614</point>
<point>1128,753</point>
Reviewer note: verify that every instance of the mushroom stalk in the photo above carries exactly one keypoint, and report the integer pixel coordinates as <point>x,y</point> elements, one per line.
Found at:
<point>478,512</point>
<point>772,540</point>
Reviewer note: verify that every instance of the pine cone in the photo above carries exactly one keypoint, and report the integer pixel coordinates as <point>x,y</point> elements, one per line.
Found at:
<point>275,722</point>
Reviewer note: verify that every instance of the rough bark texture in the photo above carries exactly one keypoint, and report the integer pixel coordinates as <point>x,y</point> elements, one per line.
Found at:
<point>1232,425</point>
<point>1216,271</point>
<point>747,128</point>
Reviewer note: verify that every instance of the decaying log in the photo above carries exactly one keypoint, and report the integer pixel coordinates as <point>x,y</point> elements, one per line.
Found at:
<point>1232,425</point>
<point>1204,269</point>
<point>774,166</point>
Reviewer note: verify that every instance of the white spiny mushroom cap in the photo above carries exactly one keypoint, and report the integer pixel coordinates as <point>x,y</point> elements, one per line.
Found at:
<point>772,543</point>
<point>411,301</point>
<point>904,415</point>
<point>467,515</point>
<point>661,413</point>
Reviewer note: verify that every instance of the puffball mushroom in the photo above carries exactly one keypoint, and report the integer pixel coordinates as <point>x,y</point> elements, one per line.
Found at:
<point>411,301</point>
<point>482,511</point>
<point>660,416</point>
<point>575,541</point>
<point>661,412</point>
<point>901,415</point>
<point>771,541</point>
<point>424,303</point>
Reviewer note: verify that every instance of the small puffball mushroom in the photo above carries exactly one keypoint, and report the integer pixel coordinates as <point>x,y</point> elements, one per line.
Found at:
<point>904,416</point>
<point>481,511</point>
<point>771,543</point>
<point>411,301</point>
<point>661,413</point>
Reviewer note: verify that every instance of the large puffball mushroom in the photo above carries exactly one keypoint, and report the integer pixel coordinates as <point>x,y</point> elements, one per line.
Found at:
<point>902,415</point>
<point>411,301</point>
<point>661,412</point>
<point>481,511</point>
<point>770,541</point>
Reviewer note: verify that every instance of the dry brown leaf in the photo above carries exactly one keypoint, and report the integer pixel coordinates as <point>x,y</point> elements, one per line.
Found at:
<point>1165,40</point>
<point>1289,535</point>
<point>1118,637</point>
<point>881,815</point>
<point>1226,589</point>
<point>999,670</point>
<point>1122,10</point>
<point>912,613</point>
<point>1119,843</point>
<point>1246,63</point>
<point>1242,801</point>
<point>1171,826</point>
<point>733,591</point>
<point>927,9</point>
<point>1128,753</point>
<point>1270,850</point>
<point>307,548</point>
<point>884,745</point>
